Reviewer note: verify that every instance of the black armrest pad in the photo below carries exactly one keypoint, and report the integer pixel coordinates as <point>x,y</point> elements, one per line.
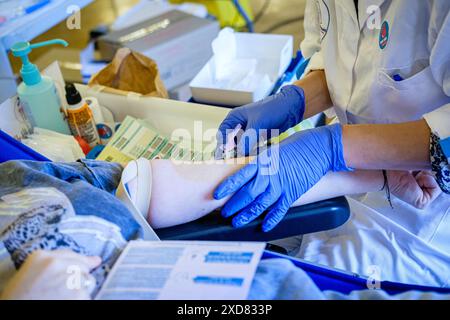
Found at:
<point>314,217</point>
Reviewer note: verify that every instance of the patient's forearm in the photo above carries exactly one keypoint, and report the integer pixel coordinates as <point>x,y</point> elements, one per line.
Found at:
<point>335,184</point>
<point>183,192</point>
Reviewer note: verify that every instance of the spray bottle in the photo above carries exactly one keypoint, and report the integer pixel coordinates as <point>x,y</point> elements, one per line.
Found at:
<point>38,93</point>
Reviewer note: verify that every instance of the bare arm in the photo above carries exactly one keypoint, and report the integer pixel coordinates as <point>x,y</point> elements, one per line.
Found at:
<point>317,96</point>
<point>183,192</point>
<point>403,146</point>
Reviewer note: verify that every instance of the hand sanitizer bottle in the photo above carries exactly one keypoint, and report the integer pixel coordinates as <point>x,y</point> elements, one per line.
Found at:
<point>38,93</point>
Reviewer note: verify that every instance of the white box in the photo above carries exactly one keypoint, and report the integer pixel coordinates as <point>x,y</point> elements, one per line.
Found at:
<point>165,115</point>
<point>273,54</point>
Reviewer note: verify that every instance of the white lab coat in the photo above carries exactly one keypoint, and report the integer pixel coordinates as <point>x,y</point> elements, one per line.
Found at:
<point>401,244</point>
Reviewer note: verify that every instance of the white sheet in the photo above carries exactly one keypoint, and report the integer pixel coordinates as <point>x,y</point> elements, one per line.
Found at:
<point>394,247</point>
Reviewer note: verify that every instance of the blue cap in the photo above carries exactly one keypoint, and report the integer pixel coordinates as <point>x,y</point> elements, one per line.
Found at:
<point>29,72</point>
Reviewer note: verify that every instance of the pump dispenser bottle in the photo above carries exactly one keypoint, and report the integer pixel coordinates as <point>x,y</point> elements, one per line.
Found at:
<point>37,92</point>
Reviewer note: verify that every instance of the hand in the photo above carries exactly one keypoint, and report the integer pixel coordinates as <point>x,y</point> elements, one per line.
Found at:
<point>280,111</point>
<point>48,275</point>
<point>281,174</point>
<point>418,189</point>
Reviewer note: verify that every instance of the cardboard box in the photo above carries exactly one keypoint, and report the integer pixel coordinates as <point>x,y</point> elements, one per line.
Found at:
<point>180,44</point>
<point>273,54</point>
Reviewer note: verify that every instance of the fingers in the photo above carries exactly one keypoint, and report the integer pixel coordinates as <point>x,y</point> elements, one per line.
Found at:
<point>227,127</point>
<point>92,262</point>
<point>426,179</point>
<point>247,142</point>
<point>430,188</point>
<point>276,214</point>
<point>89,262</point>
<point>255,209</point>
<point>246,195</point>
<point>58,274</point>
<point>89,283</point>
<point>235,182</point>
<point>221,138</point>
<point>418,189</point>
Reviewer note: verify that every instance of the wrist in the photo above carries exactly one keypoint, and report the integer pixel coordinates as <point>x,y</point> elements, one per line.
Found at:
<point>296,102</point>
<point>338,162</point>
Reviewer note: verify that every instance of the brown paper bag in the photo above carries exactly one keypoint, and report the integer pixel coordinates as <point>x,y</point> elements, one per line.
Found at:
<point>130,71</point>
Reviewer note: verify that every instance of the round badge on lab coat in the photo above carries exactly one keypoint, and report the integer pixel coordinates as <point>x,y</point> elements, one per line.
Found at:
<point>384,35</point>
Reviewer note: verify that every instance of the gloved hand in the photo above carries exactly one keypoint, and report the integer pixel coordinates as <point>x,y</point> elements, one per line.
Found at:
<point>280,111</point>
<point>281,174</point>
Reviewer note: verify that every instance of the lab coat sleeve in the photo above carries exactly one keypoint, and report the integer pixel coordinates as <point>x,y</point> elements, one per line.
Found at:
<point>310,46</point>
<point>439,40</point>
<point>439,121</point>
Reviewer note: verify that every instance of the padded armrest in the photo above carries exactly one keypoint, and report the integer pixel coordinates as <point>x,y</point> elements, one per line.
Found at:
<point>314,217</point>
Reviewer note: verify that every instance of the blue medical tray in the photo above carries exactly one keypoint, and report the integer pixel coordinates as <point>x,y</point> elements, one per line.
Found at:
<point>343,282</point>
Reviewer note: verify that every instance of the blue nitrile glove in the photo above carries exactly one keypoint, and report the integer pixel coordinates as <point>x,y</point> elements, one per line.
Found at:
<point>278,176</point>
<point>280,111</point>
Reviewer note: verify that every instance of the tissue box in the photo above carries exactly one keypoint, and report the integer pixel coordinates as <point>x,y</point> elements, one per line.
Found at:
<point>266,56</point>
<point>180,44</point>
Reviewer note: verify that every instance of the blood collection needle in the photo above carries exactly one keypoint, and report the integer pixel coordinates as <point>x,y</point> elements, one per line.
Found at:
<point>230,145</point>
